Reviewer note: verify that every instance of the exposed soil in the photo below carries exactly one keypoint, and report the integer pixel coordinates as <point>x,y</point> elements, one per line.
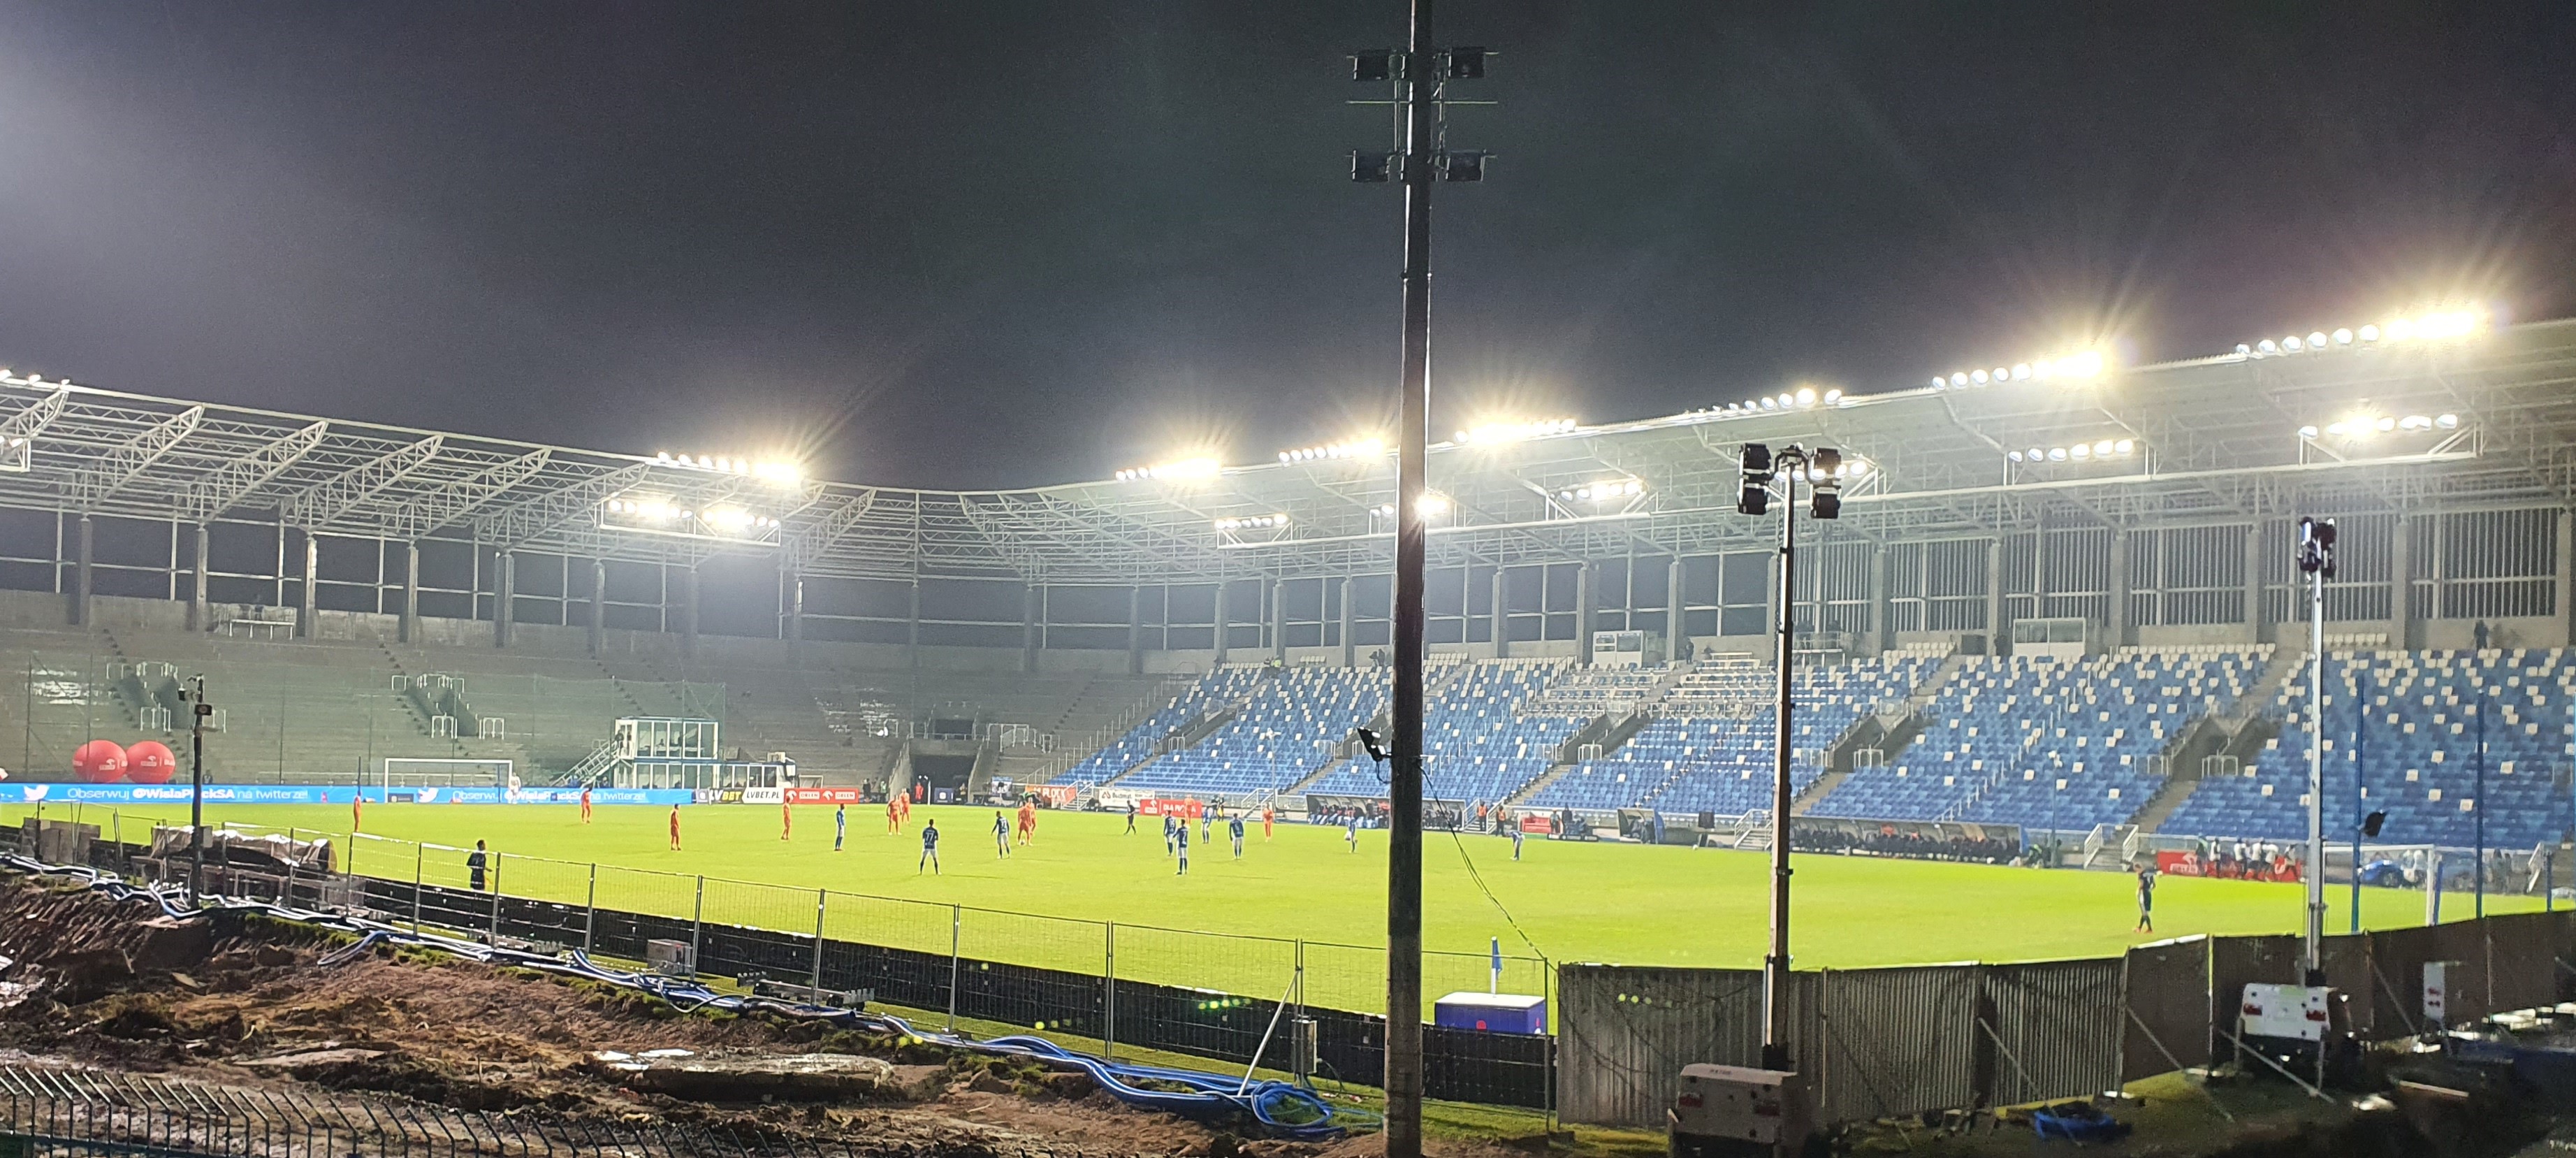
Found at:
<point>241,1002</point>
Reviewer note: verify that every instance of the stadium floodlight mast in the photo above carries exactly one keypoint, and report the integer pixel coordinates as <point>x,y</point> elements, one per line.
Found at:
<point>1419,75</point>
<point>1822,468</point>
<point>2317,562</point>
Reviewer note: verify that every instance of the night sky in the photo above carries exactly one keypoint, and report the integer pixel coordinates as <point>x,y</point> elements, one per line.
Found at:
<point>964,244</point>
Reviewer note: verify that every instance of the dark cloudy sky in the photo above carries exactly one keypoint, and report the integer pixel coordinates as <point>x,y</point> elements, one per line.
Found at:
<point>974,244</point>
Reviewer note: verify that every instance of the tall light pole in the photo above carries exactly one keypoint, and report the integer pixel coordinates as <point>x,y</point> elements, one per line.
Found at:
<point>1822,469</point>
<point>198,710</point>
<point>1420,72</point>
<point>2317,562</point>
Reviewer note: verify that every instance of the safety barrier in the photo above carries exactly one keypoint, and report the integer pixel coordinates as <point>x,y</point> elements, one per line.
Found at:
<point>1875,1042</point>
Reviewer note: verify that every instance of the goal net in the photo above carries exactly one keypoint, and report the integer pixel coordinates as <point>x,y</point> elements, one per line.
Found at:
<point>430,772</point>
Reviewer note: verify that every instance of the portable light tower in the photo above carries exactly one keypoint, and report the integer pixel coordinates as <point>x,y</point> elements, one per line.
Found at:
<point>2317,562</point>
<point>1821,468</point>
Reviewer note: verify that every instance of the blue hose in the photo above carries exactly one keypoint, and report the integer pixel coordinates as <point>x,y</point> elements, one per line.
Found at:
<point>1285,1109</point>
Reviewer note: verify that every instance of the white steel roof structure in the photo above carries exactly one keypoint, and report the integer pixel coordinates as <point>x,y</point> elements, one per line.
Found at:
<point>2485,418</point>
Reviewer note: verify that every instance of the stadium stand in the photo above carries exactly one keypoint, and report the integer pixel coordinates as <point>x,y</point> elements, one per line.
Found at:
<point>2047,743</point>
<point>1291,724</point>
<point>311,711</point>
<point>1478,741</point>
<point>1688,763</point>
<point>2422,751</point>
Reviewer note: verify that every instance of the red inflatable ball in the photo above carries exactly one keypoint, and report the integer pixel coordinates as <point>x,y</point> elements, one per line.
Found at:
<point>99,761</point>
<point>150,762</point>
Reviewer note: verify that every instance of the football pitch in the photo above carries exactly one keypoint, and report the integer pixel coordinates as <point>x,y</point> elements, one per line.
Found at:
<point>1574,901</point>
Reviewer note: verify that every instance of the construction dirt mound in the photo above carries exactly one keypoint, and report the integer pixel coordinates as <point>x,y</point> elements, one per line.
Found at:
<point>239,1000</point>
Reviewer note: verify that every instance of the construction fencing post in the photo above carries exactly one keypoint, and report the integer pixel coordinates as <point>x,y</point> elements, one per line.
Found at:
<point>814,988</point>
<point>697,925</point>
<point>417,853</point>
<point>497,858</point>
<point>956,916</point>
<point>590,909</point>
<point>1109,989</point>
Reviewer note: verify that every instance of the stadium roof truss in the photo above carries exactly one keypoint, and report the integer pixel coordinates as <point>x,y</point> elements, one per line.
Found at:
<point>2213,441</point>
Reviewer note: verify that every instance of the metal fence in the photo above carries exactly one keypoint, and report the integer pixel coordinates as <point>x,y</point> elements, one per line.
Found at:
<point>1876,1042</point>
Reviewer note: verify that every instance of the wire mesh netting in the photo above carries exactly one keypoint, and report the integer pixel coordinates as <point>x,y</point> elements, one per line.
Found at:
<point>91,1111</point>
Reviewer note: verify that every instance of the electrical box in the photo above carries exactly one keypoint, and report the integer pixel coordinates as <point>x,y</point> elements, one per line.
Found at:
<point>671,958</point>
<point>2437,988</point>
<point>1491,1012</point>
<point>2284,1012</point>
<point>2299,1028</point>
<point>1736,1112</point>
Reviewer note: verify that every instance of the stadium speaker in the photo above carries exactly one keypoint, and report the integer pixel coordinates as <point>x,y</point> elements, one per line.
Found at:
<point>1373,64</point>
<point>1462,165</point>
<point>1828,505</point>
<point>1754,501</point>
<point>1371,168</point>
<point>1467,63</point>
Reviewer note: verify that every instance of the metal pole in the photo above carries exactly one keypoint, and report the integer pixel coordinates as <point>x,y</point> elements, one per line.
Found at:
<point>2313,959</point>
<point>496,898</point>
<point>590,909</point>
<point>196,791</point>
<point>697,924</point>
<point>955,917</point>
<point>1109,990</point>
<point>2478,807</point>
<point>418,855</point>
<point>1775,966</point>
<point>2360,791</point>
<point>1404,787</point>
<point>814,988</point>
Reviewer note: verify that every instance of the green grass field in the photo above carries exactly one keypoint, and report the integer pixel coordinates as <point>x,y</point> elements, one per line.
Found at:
<point>1614,903</point>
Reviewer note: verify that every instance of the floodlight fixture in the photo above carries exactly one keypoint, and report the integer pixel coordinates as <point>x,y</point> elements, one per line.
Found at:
<point>2317,547</point>
<point>1372,168</point>
<point>1179,470</point>
<point>1375,65</point>
<point>1466,63</point>
<point>1463,164</point>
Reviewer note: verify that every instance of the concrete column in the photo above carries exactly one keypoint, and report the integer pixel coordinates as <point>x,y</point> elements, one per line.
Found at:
<point>1674,631</point>
<point>1136,631</point>
<point>689,613</point>
<point>79,604</point>
<point>407,621</point>
<point>1350,645</point>
<point>2565,633</point>
<point>912,628</point>
<point>598,624</point>
<point>1882,632</point>
<point>1279,621</point>
<point>304,603</point>
<point>1502,640</point>
<point>2401,582</point>
<point>2254,624</point>
<point>2117,621</point>
<point>1032,607</point>
<point>505,609</point>
<point>197,612</point>
<point>1583,614</point>
<point>1998,632</point>
<point>1222,627</point>
<point>795,628</point>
